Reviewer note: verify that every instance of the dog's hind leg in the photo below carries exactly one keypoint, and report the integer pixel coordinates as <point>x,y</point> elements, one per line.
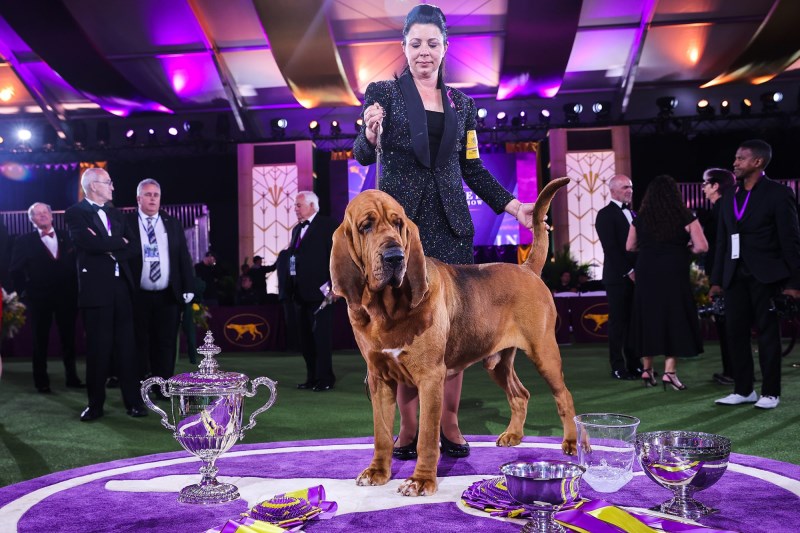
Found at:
<point>547,358</point>
<point>502,372</point>
<point>383,407</point>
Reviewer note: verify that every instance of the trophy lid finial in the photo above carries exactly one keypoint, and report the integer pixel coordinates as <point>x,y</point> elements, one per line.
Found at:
<point>209,365</point>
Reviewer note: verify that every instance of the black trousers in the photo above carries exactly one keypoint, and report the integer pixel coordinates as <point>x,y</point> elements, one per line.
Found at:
<point>622,353</point>
<point>747,303</point>
<point>110,341</point>
<point>62,307</point>
<point>157,316</point>
<point>316,334</point>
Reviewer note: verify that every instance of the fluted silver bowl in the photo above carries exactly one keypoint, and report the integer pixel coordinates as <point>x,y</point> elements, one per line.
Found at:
<point>684,462</point>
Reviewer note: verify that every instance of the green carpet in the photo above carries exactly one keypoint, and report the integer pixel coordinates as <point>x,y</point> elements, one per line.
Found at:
<point>40,434</point>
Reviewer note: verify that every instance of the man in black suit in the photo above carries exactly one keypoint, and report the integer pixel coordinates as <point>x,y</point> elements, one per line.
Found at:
<point>105,285</point>
<point>258,275</point>
<point>43,270</point>
<point>612,225</point>
<point>281,264</point>
<point>757,257</point>
<point>163,277</point>
<point>309,271</point>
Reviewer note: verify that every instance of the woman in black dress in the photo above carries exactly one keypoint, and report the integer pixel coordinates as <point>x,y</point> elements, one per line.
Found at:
<point>428,144</point>
<point>665,233</point>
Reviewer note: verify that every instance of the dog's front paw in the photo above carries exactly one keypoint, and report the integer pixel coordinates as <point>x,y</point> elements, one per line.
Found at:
<point>569,446</point>
<point>415,486</point>
<point>372,477</point>
<point>507,438</point>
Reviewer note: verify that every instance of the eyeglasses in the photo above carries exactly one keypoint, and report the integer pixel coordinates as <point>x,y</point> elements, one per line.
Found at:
<point>109,182</point>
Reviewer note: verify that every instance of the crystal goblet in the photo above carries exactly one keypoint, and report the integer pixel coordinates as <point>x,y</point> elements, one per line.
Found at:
<point>684,462</point>
<point>543,487</point>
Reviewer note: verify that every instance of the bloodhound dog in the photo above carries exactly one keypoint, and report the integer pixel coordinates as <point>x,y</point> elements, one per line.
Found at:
<point>417,319</point>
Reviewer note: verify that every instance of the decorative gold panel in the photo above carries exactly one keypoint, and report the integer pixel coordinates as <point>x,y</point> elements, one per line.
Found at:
<point>274,190</point>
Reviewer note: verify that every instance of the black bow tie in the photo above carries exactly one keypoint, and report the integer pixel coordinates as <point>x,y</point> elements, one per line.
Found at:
<point>304,223</point>
<point>97,207</point>
<point>626,206</point>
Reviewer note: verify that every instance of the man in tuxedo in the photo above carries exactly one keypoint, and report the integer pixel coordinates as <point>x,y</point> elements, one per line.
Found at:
<point>43,270</point>
<point>105,285</point>
<point>612,225</point>
<point>163,277</point>
<point>757,257</point>
<point>309,271</point>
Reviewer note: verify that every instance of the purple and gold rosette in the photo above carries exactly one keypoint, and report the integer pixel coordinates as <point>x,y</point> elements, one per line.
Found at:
<point>284,512</point>
<point>579,515</point>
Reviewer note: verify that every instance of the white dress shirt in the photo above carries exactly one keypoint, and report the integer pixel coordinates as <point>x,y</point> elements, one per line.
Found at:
<point>50,242</point>
<point>163,252</point>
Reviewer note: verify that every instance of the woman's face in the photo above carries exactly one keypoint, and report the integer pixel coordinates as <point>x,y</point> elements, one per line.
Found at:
<point>424,48</point>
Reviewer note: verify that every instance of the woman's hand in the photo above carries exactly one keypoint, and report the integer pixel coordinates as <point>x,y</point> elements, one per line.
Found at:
<point>373,120</point>
<point>522,212</point>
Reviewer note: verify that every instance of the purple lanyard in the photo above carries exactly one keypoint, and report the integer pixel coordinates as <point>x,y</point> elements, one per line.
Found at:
<point>739,213</point>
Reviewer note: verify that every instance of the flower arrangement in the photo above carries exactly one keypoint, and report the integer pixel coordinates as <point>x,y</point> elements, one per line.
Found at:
<point>200,315</point>
<point>13,315</point>
<point>700,285</point>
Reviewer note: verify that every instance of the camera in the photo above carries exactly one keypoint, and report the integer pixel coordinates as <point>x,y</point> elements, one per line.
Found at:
<point>785,306</point>
<point>714,309</point>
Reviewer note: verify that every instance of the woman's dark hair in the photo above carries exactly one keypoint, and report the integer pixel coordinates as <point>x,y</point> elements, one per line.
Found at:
<point>426,14</point>
<point>722,177</point>
<point>663,211</point>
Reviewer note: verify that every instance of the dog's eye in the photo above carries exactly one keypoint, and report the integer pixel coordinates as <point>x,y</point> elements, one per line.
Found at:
<point>366,227</point>
<point>398,224</point>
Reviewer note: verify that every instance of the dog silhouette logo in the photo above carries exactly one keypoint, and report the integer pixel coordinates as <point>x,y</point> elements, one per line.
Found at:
<point>594,320</point>
<point>246,330</point>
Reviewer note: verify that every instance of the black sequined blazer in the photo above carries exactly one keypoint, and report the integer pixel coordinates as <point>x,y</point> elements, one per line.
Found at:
<point>405,161</point>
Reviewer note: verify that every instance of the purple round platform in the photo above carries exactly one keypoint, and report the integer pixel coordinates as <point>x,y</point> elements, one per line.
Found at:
<point>140,494</point>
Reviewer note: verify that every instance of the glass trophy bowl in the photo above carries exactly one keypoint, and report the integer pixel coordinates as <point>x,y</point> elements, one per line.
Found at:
<point>542,488</point>
<point>684,462</point>
<point>206,408</point>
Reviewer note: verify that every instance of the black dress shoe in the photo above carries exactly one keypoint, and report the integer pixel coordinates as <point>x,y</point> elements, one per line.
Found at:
<point>306,385</point>
<point>451,449</point>
<point>407,452</point>
<point>622,375</point>
<point>90,414</point>
<point>137,412</point>
<point>322,388</point>
<point>43,390</point>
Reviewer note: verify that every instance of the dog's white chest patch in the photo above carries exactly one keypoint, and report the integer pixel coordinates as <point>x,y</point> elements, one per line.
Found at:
<point>394,352</point>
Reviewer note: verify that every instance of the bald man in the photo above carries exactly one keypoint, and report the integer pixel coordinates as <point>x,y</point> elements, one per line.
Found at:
<point>105,286</point>
<point>612,225</point>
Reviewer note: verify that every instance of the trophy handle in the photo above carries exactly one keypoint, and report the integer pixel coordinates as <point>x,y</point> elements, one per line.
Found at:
<point>146,386</point>
<point>272,397</point>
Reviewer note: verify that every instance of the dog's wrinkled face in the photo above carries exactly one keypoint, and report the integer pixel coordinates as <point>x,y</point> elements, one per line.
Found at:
<point>377,246</point>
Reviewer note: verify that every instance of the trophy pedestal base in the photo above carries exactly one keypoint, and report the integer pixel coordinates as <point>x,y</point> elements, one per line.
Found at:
<point>209,494</point>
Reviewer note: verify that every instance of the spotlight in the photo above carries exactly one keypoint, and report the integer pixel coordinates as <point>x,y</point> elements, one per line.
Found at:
<point>746,105</point>
<point>130,135</point>
<point>520,120</point>
<point>336,129</point>
<point>482,113</point>
<point>152,138</point>
<point>601,110</point>
<point>2,140</point>
<point>103,133</point>
<point>666,105</point>
<point>193,128</point>
<point>79,134</point>
<point>49,138</point>
<point>359,123</point>
<point>501,119</point>
<point>173,131</point>
<point>770,100</point>
<point>544,116</point>
<point>704,108</point>
<point>278,127</point>
<point>313,127</point>
<point>724,108</point>
<point>572,112</point>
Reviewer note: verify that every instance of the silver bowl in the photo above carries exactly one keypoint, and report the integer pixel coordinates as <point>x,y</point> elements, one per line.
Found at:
<point>543,487</point>
<point>684,462</point>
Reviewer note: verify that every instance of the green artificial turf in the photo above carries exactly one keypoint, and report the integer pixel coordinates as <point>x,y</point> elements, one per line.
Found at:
<point>40,434</point>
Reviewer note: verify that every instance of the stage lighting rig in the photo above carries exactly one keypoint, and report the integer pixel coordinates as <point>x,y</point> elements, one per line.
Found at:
<point>313,127</point>
<point>666,106</point>
<point>336,129</point>
<point>704,108</point>
<point>572,112</point>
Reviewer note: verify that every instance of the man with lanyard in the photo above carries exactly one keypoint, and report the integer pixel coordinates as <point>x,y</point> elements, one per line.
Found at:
<point>757,256</point>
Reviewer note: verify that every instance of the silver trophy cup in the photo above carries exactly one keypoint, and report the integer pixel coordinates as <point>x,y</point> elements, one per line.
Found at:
<point>207,418</point>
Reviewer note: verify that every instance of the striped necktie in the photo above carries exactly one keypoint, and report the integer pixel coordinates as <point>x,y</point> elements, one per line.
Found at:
<point>155,266</point>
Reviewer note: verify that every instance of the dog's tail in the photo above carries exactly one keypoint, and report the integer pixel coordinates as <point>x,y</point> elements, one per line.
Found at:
<point>538,254</point>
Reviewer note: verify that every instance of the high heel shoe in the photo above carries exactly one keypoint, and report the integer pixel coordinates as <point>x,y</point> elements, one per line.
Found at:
<point>673,381</point>
<point>407,452</point>
<point>451,449</point>
<point>648,377</point>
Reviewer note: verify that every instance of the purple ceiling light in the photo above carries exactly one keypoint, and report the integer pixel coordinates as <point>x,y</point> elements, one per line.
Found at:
<point>539,38</point>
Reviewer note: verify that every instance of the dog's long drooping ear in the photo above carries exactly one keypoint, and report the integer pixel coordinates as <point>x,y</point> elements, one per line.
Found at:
<point>416,271</point>
<point>347,269</point>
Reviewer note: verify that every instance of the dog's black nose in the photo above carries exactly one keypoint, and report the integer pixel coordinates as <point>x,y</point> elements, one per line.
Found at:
<point>393,256</point>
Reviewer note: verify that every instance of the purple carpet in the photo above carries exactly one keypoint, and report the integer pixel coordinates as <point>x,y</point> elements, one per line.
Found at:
<point>140,494</point>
